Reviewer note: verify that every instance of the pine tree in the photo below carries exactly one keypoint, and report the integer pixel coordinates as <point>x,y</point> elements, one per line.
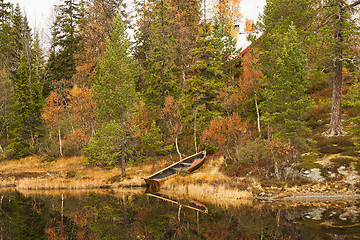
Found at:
<point>5,33</point>
<point>14,37</point>
<point>286,99</point>
<point>337,30</point>
<point>116,97</point>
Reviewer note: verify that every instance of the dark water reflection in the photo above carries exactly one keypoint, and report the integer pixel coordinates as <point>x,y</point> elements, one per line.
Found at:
<point>110,215</point>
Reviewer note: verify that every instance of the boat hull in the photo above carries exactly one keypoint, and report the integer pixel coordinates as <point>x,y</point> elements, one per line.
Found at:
<point>189,164</point>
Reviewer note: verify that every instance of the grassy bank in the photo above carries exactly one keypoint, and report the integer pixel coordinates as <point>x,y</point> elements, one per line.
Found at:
<point>207,184</point>
<point>70,173</point>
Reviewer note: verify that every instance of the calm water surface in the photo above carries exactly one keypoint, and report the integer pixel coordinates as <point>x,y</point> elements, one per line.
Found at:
<point>111,215</point>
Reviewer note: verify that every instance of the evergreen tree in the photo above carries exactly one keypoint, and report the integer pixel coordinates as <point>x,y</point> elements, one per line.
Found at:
<point>26,128</point>
<point>21,122</point>
<point>286,99</point>
<point>6,117</point>
<point>14,35</point>
<point>214,68</point>
<point>65,42</point>
<point>274,22</point>
<point>156,52</point>
<point>326,30</point>
<point>337,30</point>
<point>116,96</point>
<point>95,27</point>
<point>5,33</point>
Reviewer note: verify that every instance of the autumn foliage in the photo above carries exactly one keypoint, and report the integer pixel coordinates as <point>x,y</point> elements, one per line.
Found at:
<point>226,133</point>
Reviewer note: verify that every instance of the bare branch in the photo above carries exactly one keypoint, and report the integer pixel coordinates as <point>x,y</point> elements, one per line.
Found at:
<point>354,4</point>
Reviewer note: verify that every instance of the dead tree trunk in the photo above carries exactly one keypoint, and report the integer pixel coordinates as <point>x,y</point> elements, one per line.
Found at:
<point>2,152</point>
<point>60,144</point>
<point>257,113</point>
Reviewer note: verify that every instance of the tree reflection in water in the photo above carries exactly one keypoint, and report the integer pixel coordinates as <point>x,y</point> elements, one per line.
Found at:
<point>110,215</point>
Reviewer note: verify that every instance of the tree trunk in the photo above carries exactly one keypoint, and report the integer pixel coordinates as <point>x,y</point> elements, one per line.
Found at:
<point>123,166</point>
<point>60,144</point>
<point>195,140</point>
<point>257,113</point>
<point>62,209</point>
<point>125,215</point>
<point>177,147</point>
<point>2,151</point>
<point>179,213</point>
<point>276,167</point>
<point>335,122</point>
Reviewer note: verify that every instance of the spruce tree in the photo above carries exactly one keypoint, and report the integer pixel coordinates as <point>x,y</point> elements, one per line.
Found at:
<point>6,115</point>
<point>26,128</point>
<point>327,30</point>
<point>116,96</point>
<point>214,69</point>
<point>65,42</point>
<point>156,52</point>
<point>274,22</point>
<point>7,38</point>
<point>286,101</point>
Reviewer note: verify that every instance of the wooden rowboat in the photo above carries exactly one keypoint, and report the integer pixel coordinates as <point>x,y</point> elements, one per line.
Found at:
<point>189,164</point>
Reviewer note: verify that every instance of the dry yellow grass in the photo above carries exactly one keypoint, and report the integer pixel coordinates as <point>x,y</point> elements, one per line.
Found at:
<point>65,173</point>
<point>209,185</point>
<point>57,192</point>
<point>206,193</point>
<point>28,163</point>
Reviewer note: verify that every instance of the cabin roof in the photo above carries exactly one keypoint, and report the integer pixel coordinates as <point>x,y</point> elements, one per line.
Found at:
<point>247,49</point>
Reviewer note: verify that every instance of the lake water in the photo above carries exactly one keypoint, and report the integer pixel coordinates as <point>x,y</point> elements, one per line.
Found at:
<point>125,215</point>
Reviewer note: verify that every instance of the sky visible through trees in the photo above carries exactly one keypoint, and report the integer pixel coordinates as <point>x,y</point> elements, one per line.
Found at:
<point>39,13</point>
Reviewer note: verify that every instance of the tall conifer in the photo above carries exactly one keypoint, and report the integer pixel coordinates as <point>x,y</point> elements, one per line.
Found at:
<point>26,128</point>
<point>65,42</point>
<point>116,96</point>
<point>286,99</point>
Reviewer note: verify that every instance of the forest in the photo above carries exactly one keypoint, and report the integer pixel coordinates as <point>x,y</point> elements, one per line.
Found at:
<point>124,87</point>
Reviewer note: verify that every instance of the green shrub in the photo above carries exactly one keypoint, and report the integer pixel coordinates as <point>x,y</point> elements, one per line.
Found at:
<point>253,152</point>
<point>252,156</point>
<point>341,161</point>
<point>308,162</point>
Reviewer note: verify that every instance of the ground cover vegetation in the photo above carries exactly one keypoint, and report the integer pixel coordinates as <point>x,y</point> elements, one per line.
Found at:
<point>178,84</point>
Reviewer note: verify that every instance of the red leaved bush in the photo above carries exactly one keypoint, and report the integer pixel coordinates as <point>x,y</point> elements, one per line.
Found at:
<point>226,133</point>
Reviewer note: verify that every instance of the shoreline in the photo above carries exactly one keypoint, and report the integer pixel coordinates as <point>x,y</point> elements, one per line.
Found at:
<point>220,195</point>
<point>207,184</point>
<point>247,197</point>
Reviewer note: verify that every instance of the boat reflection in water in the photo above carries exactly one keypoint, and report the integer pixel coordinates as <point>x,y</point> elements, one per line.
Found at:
<point>181,202</point>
